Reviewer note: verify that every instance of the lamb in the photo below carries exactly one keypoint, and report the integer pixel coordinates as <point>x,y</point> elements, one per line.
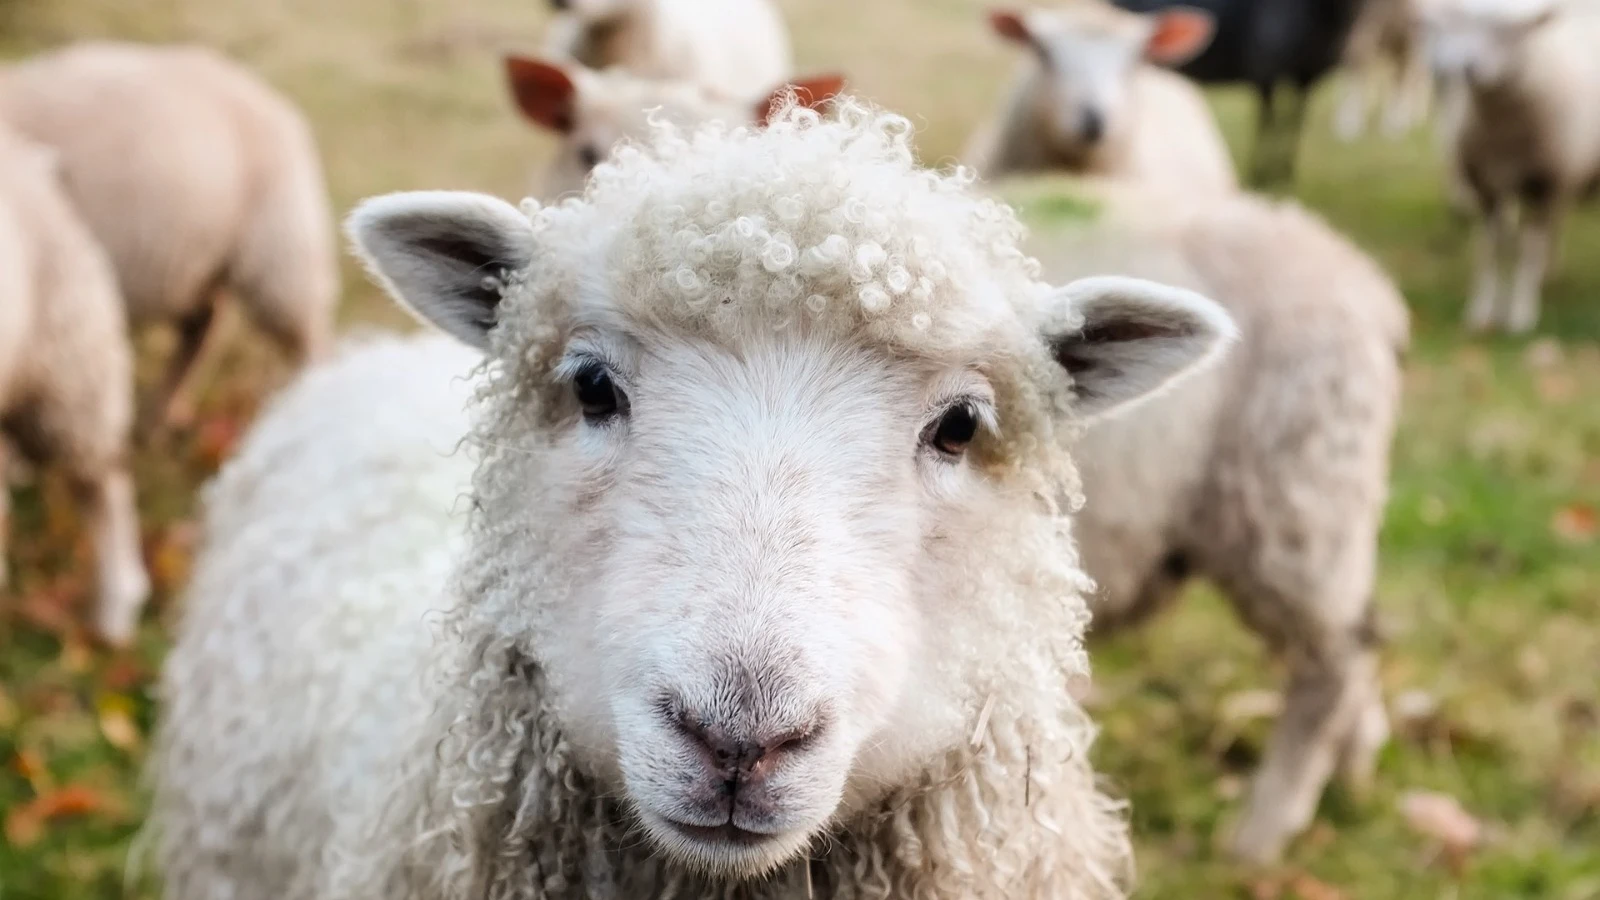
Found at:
<point>766,587</point>
<point>1385,50</point>
<point>198,179</point>
<point>1266,474</point>
<point>1528,136</point>
<point>66,372</point>
<point>1267,44</point>
<point>724,46</point>
<point>1091,99</point>
<point>592,112</point>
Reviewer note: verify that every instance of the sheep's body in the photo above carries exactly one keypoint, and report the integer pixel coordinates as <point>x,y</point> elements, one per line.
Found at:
<point>66,370</point>
<point>197,178</point>
<point>1168,136</point>
<point>1385,59</point>
<point>1267,474</point>
<point>1528,137</point>
<point>735,48</point>
<point>606,627</point>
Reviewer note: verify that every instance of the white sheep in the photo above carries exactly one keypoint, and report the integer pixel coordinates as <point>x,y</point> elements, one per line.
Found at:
<point>767,587</point>
<point>66,372</point>
<point>592,112</point>
<point>1266,474</point>
<point>1092,98</point>
<point>1528,135</point>
<point>198,179</point>
<point>726,46</point>
<point>1386,61</point>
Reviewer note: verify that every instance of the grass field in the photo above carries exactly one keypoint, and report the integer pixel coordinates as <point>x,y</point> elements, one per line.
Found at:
<point>1490,588</point>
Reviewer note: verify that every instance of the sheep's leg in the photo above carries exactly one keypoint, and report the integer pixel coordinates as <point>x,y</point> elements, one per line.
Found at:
<point>1266,134</point>
<point>1494,235</point>
<point>1327,699</point>
<point>1410,103</point>
<point>122,583</point>
<point>1535,249</point>
<point>1350,120</point>
<point>5,514</point>
<point>175,398</point>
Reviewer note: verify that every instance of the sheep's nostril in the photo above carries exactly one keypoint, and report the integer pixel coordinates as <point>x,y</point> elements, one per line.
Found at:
<point>732,756</point>
<point>1092,126</point>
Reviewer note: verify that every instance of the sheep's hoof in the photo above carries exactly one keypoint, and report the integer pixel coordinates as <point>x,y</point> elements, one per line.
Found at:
<point>1258,843</point>
<point>116,620</point>
<point>1520,321</point>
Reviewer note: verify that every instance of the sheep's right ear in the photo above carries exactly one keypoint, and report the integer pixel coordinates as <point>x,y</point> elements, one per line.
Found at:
<point>1178,35</point>
<point>1124,339</point>
<point>440,255</point>
<point>544,92</point>
<point>1012,25</point>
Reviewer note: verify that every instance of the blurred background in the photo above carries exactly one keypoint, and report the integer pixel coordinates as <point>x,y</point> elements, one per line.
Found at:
<point>1490,563</point>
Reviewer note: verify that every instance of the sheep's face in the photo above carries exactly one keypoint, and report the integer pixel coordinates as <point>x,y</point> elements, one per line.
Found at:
<point>1480,42</point>
<point>1087,56</point>
<point>594,112</point>
<point>757,565</point>
<point>594,10</point>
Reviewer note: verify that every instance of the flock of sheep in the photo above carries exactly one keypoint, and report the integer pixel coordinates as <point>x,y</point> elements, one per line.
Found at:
<point>736,532</point>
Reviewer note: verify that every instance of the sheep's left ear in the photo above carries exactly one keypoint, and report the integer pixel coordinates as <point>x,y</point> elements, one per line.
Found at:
<point>811,92</point>
<point>1178,35</point>
<point>1123,339</point>
<point>440,255</point>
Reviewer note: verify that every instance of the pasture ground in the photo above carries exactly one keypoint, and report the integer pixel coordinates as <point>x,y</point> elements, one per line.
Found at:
<point>1490,586</point>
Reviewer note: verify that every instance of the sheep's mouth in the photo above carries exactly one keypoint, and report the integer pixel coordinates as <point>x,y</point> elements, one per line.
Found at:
<point>726,833</point>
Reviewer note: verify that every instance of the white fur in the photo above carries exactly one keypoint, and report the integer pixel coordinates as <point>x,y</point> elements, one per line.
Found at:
<point>767,544</point>
<point>1266,474</point>
<point>198,178</point>
<point>66,371</point>
<point>1526,134</point>
<point>729,47</point>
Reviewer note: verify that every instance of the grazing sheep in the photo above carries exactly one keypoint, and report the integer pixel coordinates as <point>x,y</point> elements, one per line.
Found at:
<point>1528,137</point>
<point>1087,101</point>
<point>592,112</point>
<point>1385,57</point>
<point>767,589</point>
<point>1265,44</point>
<point>1266,474</point>
<point>725,46</point>
<point>66,372</point>
<point>197,178</point>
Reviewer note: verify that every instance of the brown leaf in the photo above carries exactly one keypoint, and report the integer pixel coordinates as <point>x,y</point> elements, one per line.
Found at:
<point>1305,887</point>
<point>30,765</point>
<point>1575,524</point>
<point>52,608</point>
<point>25,824</point>
<point>170,555</point>
<point>1442,818</point>
<point>215,440</point>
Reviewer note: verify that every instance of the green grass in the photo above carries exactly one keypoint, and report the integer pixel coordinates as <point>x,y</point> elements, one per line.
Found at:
<point>1490,586</point>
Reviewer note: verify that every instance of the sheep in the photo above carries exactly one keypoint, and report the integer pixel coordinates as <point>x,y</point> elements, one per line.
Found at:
<point>197,178</point>
<point>1385,42</point>
<point>592,112</point>
<point>724,46</point>
<point>1266,474</point>
<point>1265,43</point>
<point>1528,137</point>
<point>1085,101</point>
<point>66,372</point>
<point>767,586</point>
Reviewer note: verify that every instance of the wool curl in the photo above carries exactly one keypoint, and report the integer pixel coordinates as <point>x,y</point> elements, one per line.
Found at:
<point>820,225</point>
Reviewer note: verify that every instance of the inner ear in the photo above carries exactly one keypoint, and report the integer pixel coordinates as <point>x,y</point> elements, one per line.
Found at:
<point>1178,36</point>
<point>543,92</point>
<point>811,92</point>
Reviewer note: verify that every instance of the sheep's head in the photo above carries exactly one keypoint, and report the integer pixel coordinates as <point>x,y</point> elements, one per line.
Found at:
<point>1087,53</point>
<point>592,112</point>
<point>594,10</point>
<point>776,463</point>
<point>1481,41</point>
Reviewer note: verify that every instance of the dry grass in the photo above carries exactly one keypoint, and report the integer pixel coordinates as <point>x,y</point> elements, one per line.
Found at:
<point>1491,567</point>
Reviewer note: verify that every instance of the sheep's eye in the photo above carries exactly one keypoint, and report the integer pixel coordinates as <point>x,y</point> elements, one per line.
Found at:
<point>598,394</point>
<point>588,156</point>
<point>955,430</point>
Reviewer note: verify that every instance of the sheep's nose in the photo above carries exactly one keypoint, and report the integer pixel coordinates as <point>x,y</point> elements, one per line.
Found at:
<point>560,4</point>
<point>1092,126</point>
<point>743,759</point>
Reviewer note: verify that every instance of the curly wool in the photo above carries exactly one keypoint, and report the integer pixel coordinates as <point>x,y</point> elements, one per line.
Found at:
<point>487,798</point>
